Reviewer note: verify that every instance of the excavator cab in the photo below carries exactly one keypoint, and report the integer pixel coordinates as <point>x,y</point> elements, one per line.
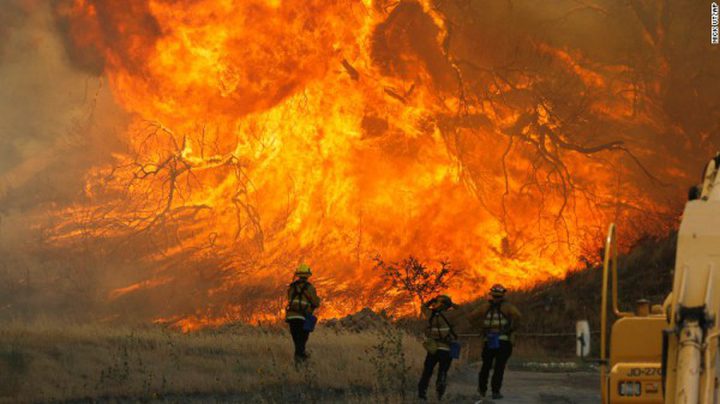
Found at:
<point>632,371</point>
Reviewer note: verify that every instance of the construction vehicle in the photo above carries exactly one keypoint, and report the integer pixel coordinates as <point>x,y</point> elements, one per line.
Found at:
<point>669,354</point>
<point>632,372</point>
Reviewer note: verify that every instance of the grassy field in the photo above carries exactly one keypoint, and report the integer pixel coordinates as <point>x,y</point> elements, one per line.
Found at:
<point>45,362</point>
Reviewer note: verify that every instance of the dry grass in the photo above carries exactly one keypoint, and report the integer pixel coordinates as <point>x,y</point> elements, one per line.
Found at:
<point>46,362</point>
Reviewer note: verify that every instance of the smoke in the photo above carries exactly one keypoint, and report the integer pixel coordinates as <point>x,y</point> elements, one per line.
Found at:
<point>88,30</point>
<point>56,122</point>
<point>11,16</point>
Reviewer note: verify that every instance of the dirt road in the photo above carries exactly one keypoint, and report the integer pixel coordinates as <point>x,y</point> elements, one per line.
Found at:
<point>521,387</point>
<point>525,387</point>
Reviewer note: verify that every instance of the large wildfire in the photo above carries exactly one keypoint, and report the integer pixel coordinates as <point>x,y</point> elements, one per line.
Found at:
<point>500,136</point>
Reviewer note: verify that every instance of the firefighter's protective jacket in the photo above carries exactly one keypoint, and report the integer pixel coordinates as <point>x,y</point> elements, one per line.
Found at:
<point>302,300</point>
<point>499,317</point>
<point>439,327</point>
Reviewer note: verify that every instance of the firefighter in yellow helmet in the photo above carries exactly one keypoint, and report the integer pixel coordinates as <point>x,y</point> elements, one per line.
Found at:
<point>440,338</point>
<point>302,302</point>
<point>498,319</point>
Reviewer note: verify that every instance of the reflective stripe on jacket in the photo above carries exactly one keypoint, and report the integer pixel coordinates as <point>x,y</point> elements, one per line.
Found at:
<point>496,322</point>
<point>502,318</point>
<point>439,328</point>
<point>302,300</point>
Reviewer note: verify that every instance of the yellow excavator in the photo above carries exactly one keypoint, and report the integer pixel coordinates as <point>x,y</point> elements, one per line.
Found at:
<point>632,373</point>
<point>669,354</point>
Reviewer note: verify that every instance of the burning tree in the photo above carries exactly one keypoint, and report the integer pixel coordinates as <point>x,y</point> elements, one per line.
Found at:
<point>265,132</point>
<point>419,281</point>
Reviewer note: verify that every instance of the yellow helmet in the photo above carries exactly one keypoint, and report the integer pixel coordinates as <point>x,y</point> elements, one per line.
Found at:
<point>303,270</point>
<point>498,290</point>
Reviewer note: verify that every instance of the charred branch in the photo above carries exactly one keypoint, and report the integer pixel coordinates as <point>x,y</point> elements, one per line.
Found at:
<point>351,71</point>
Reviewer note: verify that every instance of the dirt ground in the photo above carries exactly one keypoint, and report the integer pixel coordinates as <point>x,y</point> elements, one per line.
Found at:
<point>521,387</point>
<point>526,387</point>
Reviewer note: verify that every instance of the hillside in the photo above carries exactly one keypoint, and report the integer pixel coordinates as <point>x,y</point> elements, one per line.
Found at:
<point>645,272</point>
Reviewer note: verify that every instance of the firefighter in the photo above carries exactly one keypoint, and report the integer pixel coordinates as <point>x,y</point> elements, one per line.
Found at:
<point>440,336</point>
<point>498,319</point>
<point>302,302</point>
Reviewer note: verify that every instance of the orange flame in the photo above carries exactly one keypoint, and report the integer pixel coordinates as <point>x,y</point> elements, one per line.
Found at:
<point>270,132</point>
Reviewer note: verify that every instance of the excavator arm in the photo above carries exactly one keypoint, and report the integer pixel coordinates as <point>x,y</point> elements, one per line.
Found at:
<point>691,341</point>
